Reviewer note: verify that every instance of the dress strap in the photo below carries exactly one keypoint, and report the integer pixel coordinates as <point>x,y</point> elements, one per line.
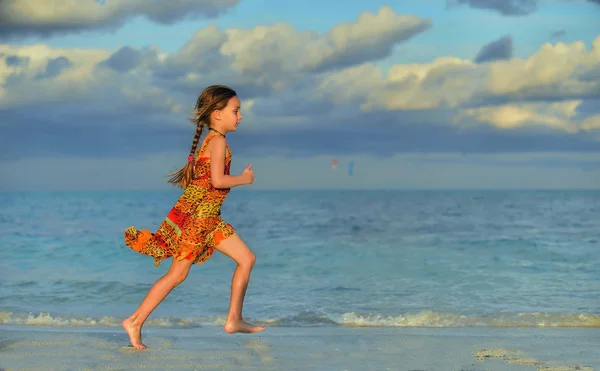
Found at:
<point>208,138</point>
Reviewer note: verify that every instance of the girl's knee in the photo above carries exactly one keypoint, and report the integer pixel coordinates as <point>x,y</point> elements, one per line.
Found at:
<point>181,276</point>
<point>178,273</point>
<point>237,250</point>
<point>177,277</point>
<point>248,260</point>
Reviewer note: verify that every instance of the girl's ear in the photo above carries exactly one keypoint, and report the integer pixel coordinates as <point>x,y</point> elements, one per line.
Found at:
<point>216,114</point>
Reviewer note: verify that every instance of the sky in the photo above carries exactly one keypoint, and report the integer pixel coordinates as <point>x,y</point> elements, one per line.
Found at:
<point>421,94</point>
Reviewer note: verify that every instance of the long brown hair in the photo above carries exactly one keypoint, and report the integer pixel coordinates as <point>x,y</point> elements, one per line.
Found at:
<point>214,97</point>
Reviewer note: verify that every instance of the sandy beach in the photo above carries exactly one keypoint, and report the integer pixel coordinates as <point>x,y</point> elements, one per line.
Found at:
<point>316,348</point>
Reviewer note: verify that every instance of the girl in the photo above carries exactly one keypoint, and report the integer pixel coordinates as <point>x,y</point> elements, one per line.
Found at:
<point>193,227</point>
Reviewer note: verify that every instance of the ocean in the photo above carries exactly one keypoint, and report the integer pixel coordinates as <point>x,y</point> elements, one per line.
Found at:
<point>460,259</point>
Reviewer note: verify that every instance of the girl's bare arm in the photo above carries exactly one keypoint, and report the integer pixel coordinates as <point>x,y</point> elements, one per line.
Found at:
<point>217,148</point>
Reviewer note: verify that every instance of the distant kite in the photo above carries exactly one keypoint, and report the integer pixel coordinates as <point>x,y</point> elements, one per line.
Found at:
<point>334,164</point>
<point>351,168</point>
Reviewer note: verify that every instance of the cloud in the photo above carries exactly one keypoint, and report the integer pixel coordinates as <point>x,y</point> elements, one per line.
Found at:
<point>559,116</point>
<point>123,60</point>
<point>591,123</point>
<point>351,133</point>
<point>135,101</point>
<point>558,34</point>
<point>370,38</point>
<point>445,82</point>
<point>258,61</point>
<point>504,7</point>
<point>16,61</point>
<point>54,67</point>
<point>22,18</point>
<point>500,49</point>
<point>555,72</point>
<point>268,59</point>
<point>20,83</point>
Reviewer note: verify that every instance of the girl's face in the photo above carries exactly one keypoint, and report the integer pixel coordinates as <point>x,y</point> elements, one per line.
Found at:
<point>229,117</point>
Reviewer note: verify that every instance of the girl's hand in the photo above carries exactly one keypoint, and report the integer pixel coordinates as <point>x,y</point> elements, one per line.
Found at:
<point>248,174</point>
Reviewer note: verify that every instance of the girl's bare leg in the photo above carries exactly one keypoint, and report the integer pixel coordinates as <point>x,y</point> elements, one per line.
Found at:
<point>176,275</point>
<point>237,250</point>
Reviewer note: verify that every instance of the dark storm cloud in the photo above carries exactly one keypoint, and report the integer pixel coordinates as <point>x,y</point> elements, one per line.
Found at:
<point>500,49</point>
<point>123,60</point>
<point>54,67</point>
<point>504,7</point>
<point>16,61</point>
<point>382,134</point>
<point>55,135</point>
<point>51,18</point>
<point>406,138</point>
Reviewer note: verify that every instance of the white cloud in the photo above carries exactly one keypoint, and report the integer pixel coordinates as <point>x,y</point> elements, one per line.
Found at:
<point>558,71</point>
<point>445,82</point>
<point>371,37</point>
<point>19,85</point>
<point>553,70</point>
<point>559,116</point>
<point>591,123</point>
<point>283,48</point>
<point>80,82</point>
<point>270,58</point>
<point>47,17</point>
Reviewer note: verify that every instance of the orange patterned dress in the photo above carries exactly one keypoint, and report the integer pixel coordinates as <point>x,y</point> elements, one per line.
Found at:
<point>194,226</point>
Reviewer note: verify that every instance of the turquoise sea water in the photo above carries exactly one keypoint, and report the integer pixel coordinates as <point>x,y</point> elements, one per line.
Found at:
<point>324,258</point>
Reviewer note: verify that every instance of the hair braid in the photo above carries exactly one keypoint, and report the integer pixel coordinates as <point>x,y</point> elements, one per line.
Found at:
<point>199,128</point>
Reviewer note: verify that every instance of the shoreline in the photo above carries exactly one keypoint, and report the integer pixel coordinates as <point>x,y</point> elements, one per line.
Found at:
<point>304,348</point>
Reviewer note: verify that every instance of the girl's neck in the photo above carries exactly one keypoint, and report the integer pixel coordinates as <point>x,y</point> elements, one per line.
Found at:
<point>217,131</point>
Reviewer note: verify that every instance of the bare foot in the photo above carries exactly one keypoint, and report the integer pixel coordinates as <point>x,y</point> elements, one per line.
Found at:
<point>242,327</point>
<point>135,334</point>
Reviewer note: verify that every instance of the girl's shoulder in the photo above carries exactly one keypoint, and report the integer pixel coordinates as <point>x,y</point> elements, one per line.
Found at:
<point>217,142</point>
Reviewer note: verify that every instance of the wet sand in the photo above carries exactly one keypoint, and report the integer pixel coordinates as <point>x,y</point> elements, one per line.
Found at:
<point>312,348</point>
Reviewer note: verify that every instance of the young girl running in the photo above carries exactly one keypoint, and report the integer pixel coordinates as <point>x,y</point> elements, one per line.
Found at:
<point>193,227</point>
